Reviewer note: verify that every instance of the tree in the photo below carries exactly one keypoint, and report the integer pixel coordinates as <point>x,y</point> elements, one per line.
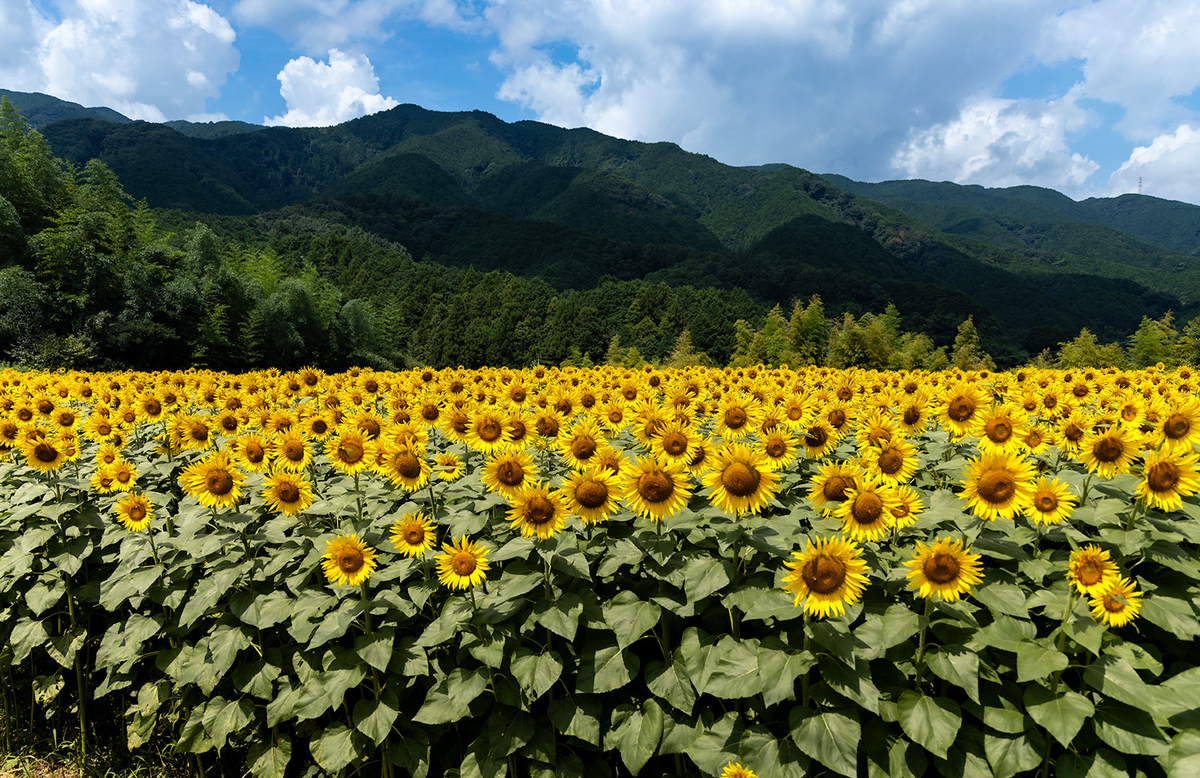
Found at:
<point>1084,351</point>
<point>808,332</point>
<point>968,354</point>
<point>1154,342</point>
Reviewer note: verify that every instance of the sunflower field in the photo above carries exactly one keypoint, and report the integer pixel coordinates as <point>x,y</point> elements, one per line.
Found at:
<point>570,572</point>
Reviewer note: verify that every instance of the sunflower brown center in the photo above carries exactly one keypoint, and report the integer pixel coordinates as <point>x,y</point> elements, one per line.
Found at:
<point>516,428</point>
<point>835,488</point>
<point>867,508</point>
<point>1045,502</point>
<point>463,563</point>
<point>219,482</point>
<point>844,393</point>
<point>350,560</point>
<point>254,453</point>
<point>510,473</point>
<point>44,452</point>
<point>547,427</point>
<point>1177,426</point>
<point>816,437</point>
<point>229,423</point>
<point>137,512</point>
<point>517,395</point>
<point>997,486</point>
<point>414,535</point>
<point>293,450</point>
<point>407,465</point>
<point>735,418</point>
<point>942,568</point>
<point>538,510</point>
<point>775,448</point>
<point>1113,605</point>
<point>1089,572</point>
<point>123,475</point>
<point>960,408</point>
<point>1080,390</point>
<point>1108,449</point>
<point>1162,476</point>
<point>837,417</point>
<point>998,430</point>
<point>287,492</point>
<point>675,443</point>
<point>1072,432</point>
<point>45,407</point>
<point>740,479</point>
<point>152,407</point>
<point>489,430</point>
<point>1050,401</point>
<point>429,412</point>
<point>350,452</point>
<point>655,487</point>
<point>591,494</point>
<point>823,574</point>
<point>24,414</point>
<point>794,412</point>
<point>891,461</point>
<point>583,448</point>
<point>901,510</point>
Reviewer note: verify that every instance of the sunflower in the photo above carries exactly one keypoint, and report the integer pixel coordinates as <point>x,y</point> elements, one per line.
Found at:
<point>908,506</point>
<point>779,447</point>
<point>150,407</point>
<point>252,450</point>
<point>610,459</point>
<point>1072,429</point>
<point>738,416</point>
<point>895,461</point>
<point>291,451</point>
<point>509,472</point>
<point>875,428</point>
<point>102,480</point>
<point>134,511</point>
<point>486,431</point>
<point>615,416</point>
<point>462,565</point>
<point>1051,503</point>
<point>448,466</point>
<point>997,485</point>
<point>655,490</point>
<point>405,467</point>
<point>818,439</point>
<point>1090,570</point>
<point>348,561</point>
<point>826,577</point>
<point>346,449</point>
<point>191,432</point>
<point>591,494</point>
<point>45,453</point>
<point>1110,452</point>
<point>1037,439</point>
<point>866,513</point>
<point>1168,477</point>
<point>1179,429</point>
<point>735,770</point>
<point>1117,604</point>
<point>214,481</point>
<point>579,445</point>
<point>124,475</point>
<point>286,492</point>
<point>1002,428</point>
<point>944,569</point>
<point>962,408</point>
<point>830,485</point>
<point>740,480</point>
<point>674,443</point>
<point>98,426</point>
<point>316,425</point>
<point>413,534</point>
<point>537,512</point>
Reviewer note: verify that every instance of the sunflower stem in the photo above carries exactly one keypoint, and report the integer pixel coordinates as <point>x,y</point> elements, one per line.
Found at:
<point>358,502</point>
<point>807,647</point>
<point>920,662</point>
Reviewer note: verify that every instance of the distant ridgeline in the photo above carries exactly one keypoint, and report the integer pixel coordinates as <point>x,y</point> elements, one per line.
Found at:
<point>415,237</point>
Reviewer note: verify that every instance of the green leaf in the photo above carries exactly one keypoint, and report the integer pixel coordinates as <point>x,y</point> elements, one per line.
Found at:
<point>669,681</point>
<point>262,611</point>
<point>334,748</point>
<point>1012,754</point>
<point>703,575</point>
<point>222,718</point>
<point>1062,714</point>
<point>376,649</point>
<point>447,700</point>
<point>618,553</point>
<point>629,617</point>
<point>1036,661</point>
<point>560,616</point>
<point>1174,615</point>
<point>760,752</point>
<point>44,594</point>
<point>638,736</point>
<point>257,678</point>
<point>1129,730</point>
<point>26,635</point>
<point>410,749</point>
<point>891,628</point>
<point>1114,677</point>
<point>1002,598</point>
<point>853,684</point>
<point>1103,763</point>
<point>62,649</point>
<point>536,672</point>
<point>123,585</point>
<point>374,718</point>
<point>830,737</point>
<point>958,666</point>
<point>779,668</point>
<point>732,671</point>
<point>335,624</point>
<point>604,667</point>
<point>270,760</point>
<point>930,721</point>
<point>577,716</point>
<point>208,591</point>
<point>507,730</point>
<point>715,744</point>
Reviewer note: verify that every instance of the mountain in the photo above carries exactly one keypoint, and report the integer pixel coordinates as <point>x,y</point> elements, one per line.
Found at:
<point>40,110</point>
<point>573,206</point>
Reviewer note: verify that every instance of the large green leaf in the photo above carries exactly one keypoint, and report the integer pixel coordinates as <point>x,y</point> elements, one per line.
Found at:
<point>447,700</point>
<point>1036,661</point>
<point>560,616</point>
<point>334,748</point>
<point>1129,730</point>
<point>222,718</point>
<point>536,672</point>
<point>881,631</point>
<point>669,681</point>
<point>779,667</point>
<point>1012,754</point>
<point>507,730</point>
<point>603,667</point>
<point>270,760</point>
<point>830,737</point>
<point>629,617</point>
<point>703,575</point>
<point>374,717</point>
<point>579,716</point>
<point>638,735</point>
<point>854,684</point>
<point>930,721</point>
<point>958,666</point>
<point>1061,714</point>
<point>732,671</point>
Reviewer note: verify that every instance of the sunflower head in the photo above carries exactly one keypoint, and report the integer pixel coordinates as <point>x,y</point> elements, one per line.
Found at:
<point>1118,603</point>
<point>740,481</point>
<point>348,561</point>
<point>413,534</point>
<point>826,577</point>
<point>997,485</point>
<point>944,570</point>
<point>1090,570</point>
<point>591,494</point>
<point>462,564</point>
<point>287,492</point>
<point>655,489</point>
<point>537,512</point>
<point>135,512</point>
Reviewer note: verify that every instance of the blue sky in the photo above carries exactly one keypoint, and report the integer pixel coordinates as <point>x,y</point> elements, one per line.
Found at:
<point>1085,96</point>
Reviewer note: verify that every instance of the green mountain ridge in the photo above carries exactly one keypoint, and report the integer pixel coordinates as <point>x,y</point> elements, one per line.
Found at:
<point>571,206</point>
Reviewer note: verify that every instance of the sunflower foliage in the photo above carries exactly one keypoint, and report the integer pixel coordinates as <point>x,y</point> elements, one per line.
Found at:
<point>607,571</point>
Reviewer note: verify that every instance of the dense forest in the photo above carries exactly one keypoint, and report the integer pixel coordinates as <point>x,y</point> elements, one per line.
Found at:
<point>400,262</point>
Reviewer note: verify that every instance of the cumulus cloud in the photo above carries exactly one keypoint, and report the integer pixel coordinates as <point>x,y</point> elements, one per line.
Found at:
<point>319,94</point>
<point>148,59</point>
<point>1168,167</point>
<point>1002,143</point>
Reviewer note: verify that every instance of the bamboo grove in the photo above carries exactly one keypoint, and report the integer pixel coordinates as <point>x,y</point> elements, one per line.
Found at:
<point>604,571</point>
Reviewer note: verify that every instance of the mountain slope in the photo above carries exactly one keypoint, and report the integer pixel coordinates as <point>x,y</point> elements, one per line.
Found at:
<point>40,110</point>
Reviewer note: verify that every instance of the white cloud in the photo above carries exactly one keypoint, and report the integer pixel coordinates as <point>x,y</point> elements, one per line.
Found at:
<point>320,94</point>
<point>1168,167</point>
<point>1002,143</point>
<point>148,59</point>
<point>318,25</point>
